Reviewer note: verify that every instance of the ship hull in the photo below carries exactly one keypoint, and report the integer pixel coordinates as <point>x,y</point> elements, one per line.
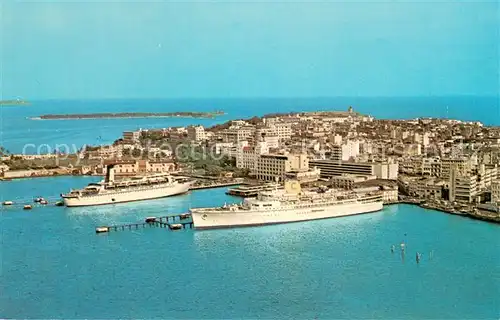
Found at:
<point>126,196</point>
<point>212,220</point>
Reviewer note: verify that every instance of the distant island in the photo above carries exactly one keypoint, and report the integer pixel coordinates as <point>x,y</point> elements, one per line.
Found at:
<point>16,102</point>
<point>182,114</point>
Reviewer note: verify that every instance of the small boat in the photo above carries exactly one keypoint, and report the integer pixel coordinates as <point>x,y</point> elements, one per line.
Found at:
<point>38,200</point>
<point>8,203</point>
<point>101,229</point>
<point>27,207</point>
<point>176,226</point>
<point>60,203</point>
<point>44,202</point>
<point>150,219</point>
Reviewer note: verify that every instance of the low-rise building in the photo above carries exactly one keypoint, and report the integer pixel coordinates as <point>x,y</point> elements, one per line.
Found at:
<point>272,167</point>
<point>462,166</point>
<point>348,181</point>
<point>303,176</point>
<point>431,166</point>
<point>131,137</point>
<point>142,167</point>
<point>196,133</point>
<point>389,193</point>
<point>382,170</point>
<point>495,191</point>
<point>462,187</point>
<point>428,188</point>
<point>350,150</point>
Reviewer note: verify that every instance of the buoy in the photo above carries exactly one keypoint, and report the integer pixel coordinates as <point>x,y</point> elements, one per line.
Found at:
<point>8,203</point>
<point>27,207</point>
<point>101,229</point>
<point>175,226</point>
<point>150,219</point>
<point>402,246</point>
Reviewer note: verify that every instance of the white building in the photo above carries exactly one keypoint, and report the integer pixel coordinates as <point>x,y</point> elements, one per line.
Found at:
<point>350,149</point>
<point>337,139</point>
<point>495,191</point>
<point>382,170</point>
<point>223,147</point>
<point>389,194</point>
<point>196,133</point>
<point>237,133</point>
<point>132,137</point>
<point>142,167</point>
<point>425,139</point>
<point>431,166</point>
<point>246,158</point>
<point>272,167</point>
<point>462,165</point>
<point>282,130</point>
<point>462,187</point>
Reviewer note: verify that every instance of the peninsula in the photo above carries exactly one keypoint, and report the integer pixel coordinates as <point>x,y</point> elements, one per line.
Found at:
<point>182,114</point>
<point>16,102</point>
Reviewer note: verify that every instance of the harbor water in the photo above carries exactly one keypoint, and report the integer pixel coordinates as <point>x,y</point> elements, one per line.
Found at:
<point>55,266</point>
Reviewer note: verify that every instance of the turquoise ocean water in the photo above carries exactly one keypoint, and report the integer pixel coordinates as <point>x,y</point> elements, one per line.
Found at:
<point>55,266</point>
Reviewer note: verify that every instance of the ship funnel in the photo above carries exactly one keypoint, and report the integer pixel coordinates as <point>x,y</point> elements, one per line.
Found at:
<point>292,187</point>
<point>110,173</point>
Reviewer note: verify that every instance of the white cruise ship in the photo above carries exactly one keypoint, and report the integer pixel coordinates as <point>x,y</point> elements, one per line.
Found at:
<point>283,206</point>
<point>110,191</point>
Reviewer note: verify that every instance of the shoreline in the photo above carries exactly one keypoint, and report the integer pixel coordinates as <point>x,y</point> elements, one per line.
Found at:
<point>479,215</point>
<point>129,115</point>
<point>466,214</point>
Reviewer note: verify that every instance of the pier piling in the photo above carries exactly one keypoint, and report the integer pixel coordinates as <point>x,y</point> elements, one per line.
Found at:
<point>166,222</point>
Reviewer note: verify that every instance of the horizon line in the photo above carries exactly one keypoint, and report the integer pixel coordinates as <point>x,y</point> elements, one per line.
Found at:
<point>257,98</point>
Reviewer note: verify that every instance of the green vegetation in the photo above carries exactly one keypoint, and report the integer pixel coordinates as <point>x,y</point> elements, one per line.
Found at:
<point>185,114</point>
<point>4,152</point>
<point>13,102</point>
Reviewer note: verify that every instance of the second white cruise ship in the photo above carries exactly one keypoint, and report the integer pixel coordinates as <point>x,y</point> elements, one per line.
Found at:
<point>289,205</point>
<point>110,191</point>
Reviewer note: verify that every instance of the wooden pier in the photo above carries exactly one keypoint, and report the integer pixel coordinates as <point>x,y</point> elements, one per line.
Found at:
<point>173,222</point>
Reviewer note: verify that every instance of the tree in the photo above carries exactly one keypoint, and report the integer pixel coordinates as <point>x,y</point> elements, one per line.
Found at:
<point>4,152</point>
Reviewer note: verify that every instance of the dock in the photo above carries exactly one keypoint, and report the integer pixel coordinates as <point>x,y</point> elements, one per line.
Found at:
<point>247,191</point>
<point>172,222</point>
<point>216,185</point>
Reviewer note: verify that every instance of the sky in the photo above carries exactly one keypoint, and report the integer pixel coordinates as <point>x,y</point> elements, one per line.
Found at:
<point>75,50</point>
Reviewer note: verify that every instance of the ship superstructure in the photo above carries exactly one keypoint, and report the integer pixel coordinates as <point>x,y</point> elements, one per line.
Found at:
<point>110,191</point>
<point>288,205</point>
